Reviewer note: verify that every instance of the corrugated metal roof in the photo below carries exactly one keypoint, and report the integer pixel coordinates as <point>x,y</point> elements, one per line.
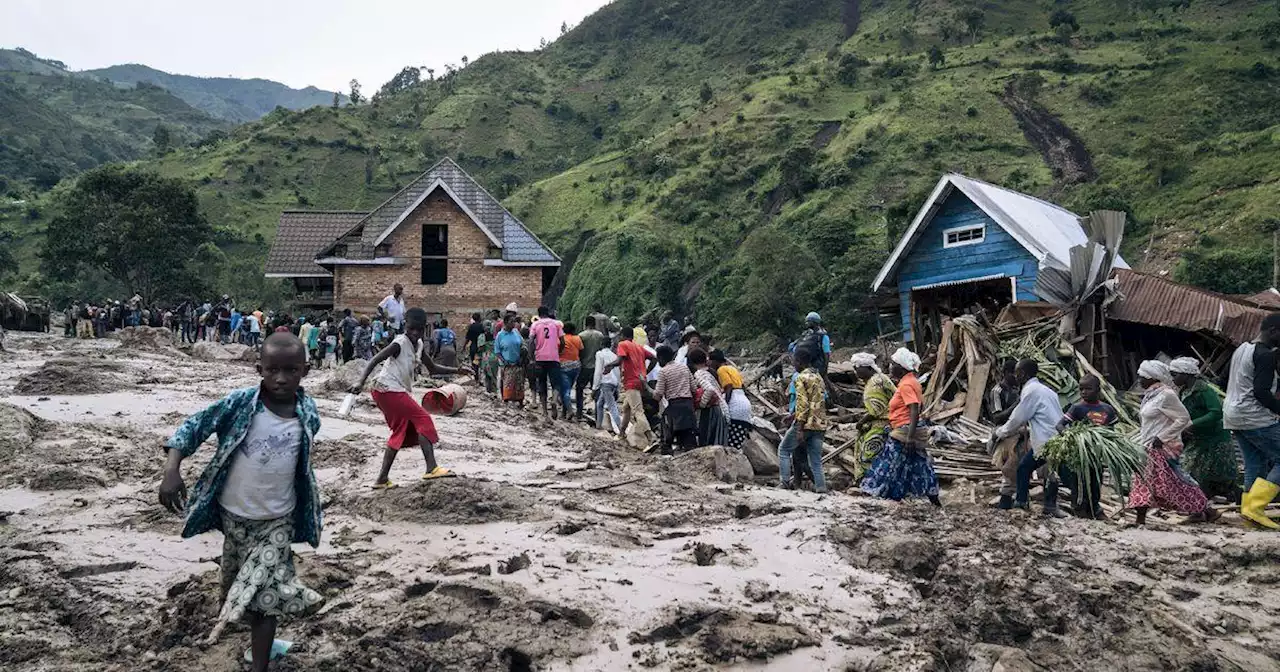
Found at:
<point>1158,302</point>
<point>949,283</point>
<point>1044,229</point>
<point>301,235</point>
<point>1267,298</point>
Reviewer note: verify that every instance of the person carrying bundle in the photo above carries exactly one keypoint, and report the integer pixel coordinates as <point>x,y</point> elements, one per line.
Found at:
<point>1038,410</point>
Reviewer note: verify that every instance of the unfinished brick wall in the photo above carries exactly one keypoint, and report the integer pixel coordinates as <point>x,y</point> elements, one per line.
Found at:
<point>471,287</point>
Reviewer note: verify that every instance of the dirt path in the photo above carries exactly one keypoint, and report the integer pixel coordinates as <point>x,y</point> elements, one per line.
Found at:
<point>518,564</point>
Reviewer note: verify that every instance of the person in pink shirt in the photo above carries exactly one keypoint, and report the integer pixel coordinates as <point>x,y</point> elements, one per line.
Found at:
<point>548,340</point>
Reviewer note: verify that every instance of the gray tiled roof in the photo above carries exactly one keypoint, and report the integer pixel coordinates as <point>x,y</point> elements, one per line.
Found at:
<point>495,219</point>
<point>519,244</point>
<point>302,234</point>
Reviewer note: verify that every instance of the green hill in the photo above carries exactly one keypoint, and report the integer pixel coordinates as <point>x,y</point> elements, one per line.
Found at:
<point>54,124</point>
<point>236,100</point>
<point>749,160</point>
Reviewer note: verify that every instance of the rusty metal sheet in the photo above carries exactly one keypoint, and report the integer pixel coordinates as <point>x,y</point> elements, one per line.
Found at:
<point>1159,302</point>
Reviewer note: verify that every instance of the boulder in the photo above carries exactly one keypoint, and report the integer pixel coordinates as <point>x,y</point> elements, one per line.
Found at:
<point>18,428</point>
<point>344,376</point>
<point>762,454</point>
<point>145,338</point>
<point>731,466</point>
<point>217,352</point>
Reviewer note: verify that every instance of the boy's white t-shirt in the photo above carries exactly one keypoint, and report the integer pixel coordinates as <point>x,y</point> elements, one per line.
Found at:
<point>260,482</point>
<point>604,358</point>
<point>397,372</point>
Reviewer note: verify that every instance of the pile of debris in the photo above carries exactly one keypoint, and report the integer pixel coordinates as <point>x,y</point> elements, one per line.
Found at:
<point>958,379</point>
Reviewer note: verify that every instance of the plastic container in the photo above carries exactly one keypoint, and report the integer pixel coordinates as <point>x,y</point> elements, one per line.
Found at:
<point>445,400</point>
<point>348,403</point>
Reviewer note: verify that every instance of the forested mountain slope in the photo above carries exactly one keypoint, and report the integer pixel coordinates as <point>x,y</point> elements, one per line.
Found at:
<point>750,160</point>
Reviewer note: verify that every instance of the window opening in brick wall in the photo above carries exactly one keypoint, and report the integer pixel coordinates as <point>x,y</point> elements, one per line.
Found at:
<point>435,254</point>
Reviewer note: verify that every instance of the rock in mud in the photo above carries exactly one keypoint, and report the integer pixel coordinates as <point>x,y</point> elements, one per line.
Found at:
<point>218,352</point>
<point>445,501</point>
<point>344,376</point>
<point>349,451</point>
<point>722,636</point>
<point>762,454</point>
<point>916,557</point>
<point>18,430</point>
<point>705,554</point>
<point>731,466</point>
<point>66,477</point>
<point>153,339</point>
<point>70,377</point>
<point>514,564</point>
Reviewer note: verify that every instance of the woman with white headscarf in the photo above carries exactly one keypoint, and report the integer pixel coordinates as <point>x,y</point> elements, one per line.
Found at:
<point>877,391</point>
<point>1163,483</point>
<point>1210,454</point>
<point>903,468</point>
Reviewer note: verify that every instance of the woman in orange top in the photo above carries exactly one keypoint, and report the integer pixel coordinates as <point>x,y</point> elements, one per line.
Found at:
<point>903,468</point>
<point>570,365</point>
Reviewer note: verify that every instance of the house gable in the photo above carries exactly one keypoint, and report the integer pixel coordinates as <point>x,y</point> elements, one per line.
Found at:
<point>438,184</point>
<point>362,242</point>
<point>933,260</point>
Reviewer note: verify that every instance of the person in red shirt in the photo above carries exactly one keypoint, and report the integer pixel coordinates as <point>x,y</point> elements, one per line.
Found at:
<point>635,362</point>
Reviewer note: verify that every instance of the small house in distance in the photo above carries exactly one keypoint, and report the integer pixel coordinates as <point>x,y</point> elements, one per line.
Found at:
<point>452,246</point>
<point>976,245</point>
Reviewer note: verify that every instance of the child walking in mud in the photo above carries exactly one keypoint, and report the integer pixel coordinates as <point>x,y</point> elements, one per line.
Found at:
<point>409,422</point>
<point>259,490</point>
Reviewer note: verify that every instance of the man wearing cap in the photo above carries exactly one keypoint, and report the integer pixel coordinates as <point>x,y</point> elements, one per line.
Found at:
<point>816,342</point>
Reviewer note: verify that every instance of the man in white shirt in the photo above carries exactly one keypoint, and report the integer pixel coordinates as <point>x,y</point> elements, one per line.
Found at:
<point>605,388</point>
<point>1038,410</point>
<point>393,308</point>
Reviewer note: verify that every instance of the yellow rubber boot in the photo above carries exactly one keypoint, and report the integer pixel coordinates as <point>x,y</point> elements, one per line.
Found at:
<point>1253,506</point>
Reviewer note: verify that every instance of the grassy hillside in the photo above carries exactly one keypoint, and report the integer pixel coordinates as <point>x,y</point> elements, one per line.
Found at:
<point>236,100</point>
<point>54,124</point>
<point>749,161</point>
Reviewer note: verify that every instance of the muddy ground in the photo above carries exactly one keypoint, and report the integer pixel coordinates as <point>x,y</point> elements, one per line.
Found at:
<point>525,562</point>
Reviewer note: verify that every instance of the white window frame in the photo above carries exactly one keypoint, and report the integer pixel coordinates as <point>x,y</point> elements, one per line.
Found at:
<point>946,235</point>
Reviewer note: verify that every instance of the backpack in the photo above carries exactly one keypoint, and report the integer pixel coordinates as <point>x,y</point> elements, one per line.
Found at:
<point>811,342</point>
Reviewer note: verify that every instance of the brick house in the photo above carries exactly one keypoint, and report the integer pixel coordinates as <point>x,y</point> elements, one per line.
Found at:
<point>450,243</point>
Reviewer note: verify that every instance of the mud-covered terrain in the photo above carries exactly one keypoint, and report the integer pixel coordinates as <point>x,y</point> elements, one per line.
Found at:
<point>557,548</point>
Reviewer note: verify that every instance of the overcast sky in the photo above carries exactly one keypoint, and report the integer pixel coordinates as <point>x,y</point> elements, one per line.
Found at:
<point>324,43</point>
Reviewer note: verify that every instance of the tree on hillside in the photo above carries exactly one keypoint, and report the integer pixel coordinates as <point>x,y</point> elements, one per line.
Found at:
<point>337,99</point>
<point>163,139</point>
<point>973,20</point>
<point>138,227</point>
<point>936,57</point>
<point>1062,17</point>
<point>465,61</point>
<point>354,96</point>
<point>705,93</point>
<point>407,78</point>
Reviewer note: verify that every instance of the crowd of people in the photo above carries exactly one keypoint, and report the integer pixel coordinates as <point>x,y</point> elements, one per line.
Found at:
<point>665,375</point>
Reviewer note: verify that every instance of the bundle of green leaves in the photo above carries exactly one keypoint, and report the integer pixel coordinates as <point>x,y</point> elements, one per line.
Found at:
<point>1085,448</point>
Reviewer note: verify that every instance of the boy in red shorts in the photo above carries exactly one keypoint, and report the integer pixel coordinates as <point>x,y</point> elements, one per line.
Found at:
<point>410,423</point>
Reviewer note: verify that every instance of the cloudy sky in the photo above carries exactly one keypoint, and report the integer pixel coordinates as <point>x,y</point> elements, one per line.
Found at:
<point>325,43</point>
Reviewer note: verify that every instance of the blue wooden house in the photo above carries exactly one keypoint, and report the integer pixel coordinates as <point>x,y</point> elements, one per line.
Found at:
<point>974,245</point>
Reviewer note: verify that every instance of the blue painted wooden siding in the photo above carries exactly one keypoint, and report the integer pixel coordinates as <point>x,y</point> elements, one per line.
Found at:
<point>928,262</point>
